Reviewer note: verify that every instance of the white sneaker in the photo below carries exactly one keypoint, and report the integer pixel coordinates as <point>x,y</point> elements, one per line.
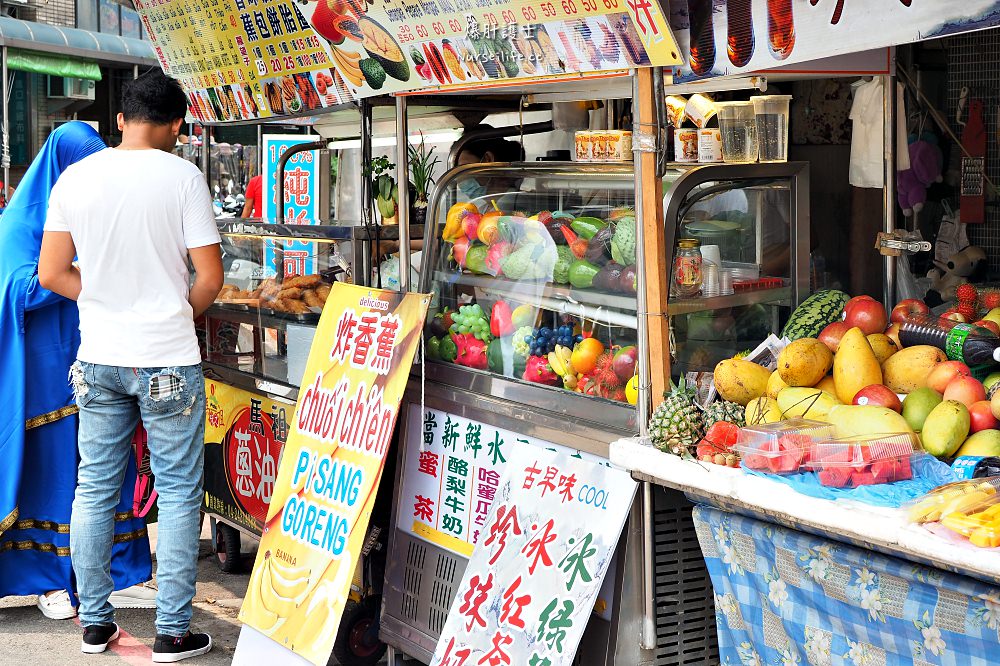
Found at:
<point>56,606</point>
<point>142,595</point>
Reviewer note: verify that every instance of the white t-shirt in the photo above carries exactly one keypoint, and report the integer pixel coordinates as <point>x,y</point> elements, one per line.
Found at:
<point>133,215</point>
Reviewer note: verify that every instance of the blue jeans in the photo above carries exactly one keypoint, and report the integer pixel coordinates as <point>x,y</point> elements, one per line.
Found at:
<point>171,404</point>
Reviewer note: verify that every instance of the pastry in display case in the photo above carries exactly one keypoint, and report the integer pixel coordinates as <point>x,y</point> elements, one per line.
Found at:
<point>534,268</point>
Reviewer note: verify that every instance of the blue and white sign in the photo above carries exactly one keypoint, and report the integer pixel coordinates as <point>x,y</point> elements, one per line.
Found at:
<point>300,205</point>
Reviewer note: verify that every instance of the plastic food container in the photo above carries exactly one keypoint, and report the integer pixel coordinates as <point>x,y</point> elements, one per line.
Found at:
<point>738,127</point>
<point>709,145</point>
<point>616,146</point>
<point>968,508</point>
<point>675,109</point>
<point>583,143</point>
<point>865,461</point>
<point>771,113</point>
<point>700,109</point>
<point>686,145</point>
<point>785,447</point>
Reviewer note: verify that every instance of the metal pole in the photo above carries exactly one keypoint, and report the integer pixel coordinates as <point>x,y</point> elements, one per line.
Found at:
<point>889,190</point>
<point>403,183</point>
<point>647,636</point>
<point>5,157</point>
<point>206,155</point>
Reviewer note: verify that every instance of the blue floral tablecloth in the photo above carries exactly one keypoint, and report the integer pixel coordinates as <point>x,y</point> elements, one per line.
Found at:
<point>786,597</point>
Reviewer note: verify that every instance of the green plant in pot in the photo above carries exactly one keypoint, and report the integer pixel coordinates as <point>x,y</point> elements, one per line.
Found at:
<point>384,189</point>
<point>422,164</point>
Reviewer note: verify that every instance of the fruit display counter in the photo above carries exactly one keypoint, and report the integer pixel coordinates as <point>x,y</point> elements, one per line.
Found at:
<point>533,268</point>
<point>860,433</point>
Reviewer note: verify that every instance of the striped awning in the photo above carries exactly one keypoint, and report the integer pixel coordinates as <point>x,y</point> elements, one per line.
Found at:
<point>74,43</point>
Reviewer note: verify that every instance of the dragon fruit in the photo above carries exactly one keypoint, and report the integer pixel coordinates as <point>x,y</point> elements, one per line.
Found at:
<point>539,371</point>
<point>494,258</point>
<point>471,351</point>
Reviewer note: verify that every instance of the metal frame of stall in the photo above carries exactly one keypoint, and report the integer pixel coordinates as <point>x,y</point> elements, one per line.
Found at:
<point>422,576</point>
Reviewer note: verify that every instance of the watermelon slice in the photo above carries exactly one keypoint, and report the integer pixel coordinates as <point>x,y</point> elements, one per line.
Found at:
<point>884,471</point>
<point>835,477</point>
<point>800,445</point>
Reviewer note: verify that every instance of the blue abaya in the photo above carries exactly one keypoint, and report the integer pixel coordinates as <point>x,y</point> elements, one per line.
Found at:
<point>39,337</point>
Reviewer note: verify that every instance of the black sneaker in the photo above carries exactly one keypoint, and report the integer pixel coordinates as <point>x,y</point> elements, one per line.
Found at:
<point>97,636</point>
<point>170,649</point>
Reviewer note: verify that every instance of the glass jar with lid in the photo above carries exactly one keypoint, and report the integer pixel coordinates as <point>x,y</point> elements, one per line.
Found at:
<point>687,268</point>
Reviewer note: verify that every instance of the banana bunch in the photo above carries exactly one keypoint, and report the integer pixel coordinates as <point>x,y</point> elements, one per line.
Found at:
<point>959,498</point>
<point>277,589</point>
<point>559,361</point>
<point>347,64</point>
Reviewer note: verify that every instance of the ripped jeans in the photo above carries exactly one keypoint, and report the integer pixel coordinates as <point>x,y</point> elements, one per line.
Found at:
<point>171,403</point>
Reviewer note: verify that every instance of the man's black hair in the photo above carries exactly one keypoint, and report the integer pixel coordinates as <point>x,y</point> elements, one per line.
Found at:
<point>502,149</point>
<point>154,98</point>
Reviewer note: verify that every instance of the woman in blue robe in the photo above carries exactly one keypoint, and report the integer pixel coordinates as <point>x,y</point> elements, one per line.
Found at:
<point>39,337</point>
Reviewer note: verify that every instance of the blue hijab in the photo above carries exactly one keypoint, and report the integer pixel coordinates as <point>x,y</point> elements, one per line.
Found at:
<point>39,338</point>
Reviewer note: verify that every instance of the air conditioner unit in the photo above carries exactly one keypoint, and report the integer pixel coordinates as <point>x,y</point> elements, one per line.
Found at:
<point>66,88</point>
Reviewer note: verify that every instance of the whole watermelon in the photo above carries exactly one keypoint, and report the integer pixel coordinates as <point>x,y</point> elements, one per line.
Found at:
<point>816,312</point>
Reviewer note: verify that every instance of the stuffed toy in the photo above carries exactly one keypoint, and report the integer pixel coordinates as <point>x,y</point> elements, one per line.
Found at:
<point>961,267</point>
<point>925,169</point>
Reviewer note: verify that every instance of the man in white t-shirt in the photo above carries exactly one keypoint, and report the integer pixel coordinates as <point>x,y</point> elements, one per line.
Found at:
<point>134,216</point>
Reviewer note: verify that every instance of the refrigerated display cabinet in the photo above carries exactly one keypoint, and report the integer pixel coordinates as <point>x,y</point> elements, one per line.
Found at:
<point>553,245</point>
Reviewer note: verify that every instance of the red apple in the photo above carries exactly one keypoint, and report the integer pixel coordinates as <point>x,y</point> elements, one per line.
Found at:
<point>831,335</point>
<point>942,374</point>
<point>981,417</point>
<point>857,299</point>
<point>954,315</point>
<point>905,308</point>
<point>893,333</point>
<point>867,314</point>
<point>966,390</point>
<point>991,325</point>
<point>879,395</point>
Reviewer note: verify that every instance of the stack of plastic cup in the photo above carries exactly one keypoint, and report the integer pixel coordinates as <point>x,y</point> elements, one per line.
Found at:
<point>771,112</point>
<point>725,282</point>
<point>710,280</point>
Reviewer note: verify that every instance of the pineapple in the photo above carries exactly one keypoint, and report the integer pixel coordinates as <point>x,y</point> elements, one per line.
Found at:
<point>676,424</point>
<point>723,410</point>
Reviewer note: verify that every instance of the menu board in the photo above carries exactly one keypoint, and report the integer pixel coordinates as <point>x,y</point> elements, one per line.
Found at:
<point>248,59</point>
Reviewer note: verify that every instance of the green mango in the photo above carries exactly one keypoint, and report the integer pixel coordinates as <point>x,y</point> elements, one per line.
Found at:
<point>494,356</point>
<point>587,227</point>
<point>581,273</point>
<point>433,350</point>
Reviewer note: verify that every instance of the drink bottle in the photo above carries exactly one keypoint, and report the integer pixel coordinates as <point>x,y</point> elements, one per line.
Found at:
<point>739,31</point>
<point>976,467</point>
<point>961,342</point>
<point>780,28</point>
<point>702,35</point>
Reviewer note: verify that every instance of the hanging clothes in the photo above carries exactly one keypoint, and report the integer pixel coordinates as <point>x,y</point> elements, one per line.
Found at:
<point>39,337</point>
<point>867,167</point>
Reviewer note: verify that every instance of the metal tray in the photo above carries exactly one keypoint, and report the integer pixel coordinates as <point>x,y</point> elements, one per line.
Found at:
<point>302,318</point>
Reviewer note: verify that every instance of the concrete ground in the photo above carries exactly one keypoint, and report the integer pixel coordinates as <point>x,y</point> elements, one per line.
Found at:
<point>29,639</point>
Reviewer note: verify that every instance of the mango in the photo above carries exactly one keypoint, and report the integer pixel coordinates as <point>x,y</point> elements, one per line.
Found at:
<point>883,346</point>
<point>740,381</point>
<point>808,403</point>
<point>865,420</point>
<point>804,362</point>
<point>907,370</point>
<point>982,443</point>
<point>775,384</point>
<point>762,410</point>
<point>918,405</point>
<point>946,427</point>
<point>855,365</point>
<point>827,384</point>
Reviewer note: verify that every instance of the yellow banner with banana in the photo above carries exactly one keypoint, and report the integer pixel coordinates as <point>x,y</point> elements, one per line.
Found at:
<point>331,466</point>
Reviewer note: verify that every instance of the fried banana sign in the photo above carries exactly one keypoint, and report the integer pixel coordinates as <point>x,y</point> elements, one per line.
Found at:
<point>331,467</point>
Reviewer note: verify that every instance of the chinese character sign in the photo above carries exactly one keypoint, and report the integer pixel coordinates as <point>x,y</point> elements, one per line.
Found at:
<point>451,473</point>
<point>321,500</point>
<point>243,59</point>
<point>530,586</point>
<point>757,35</point>
<point>244,437</point>
<point>301,202</point>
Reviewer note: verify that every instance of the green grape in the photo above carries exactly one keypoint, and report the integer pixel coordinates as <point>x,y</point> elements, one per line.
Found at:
<point>464,328</point>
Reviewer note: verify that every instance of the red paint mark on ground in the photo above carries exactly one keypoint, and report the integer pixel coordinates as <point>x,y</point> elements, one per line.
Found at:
<point>128,648</point>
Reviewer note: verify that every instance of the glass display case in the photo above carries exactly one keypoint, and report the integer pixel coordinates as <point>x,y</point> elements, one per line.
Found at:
<point>258,333</point>
<point>534,270</point>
